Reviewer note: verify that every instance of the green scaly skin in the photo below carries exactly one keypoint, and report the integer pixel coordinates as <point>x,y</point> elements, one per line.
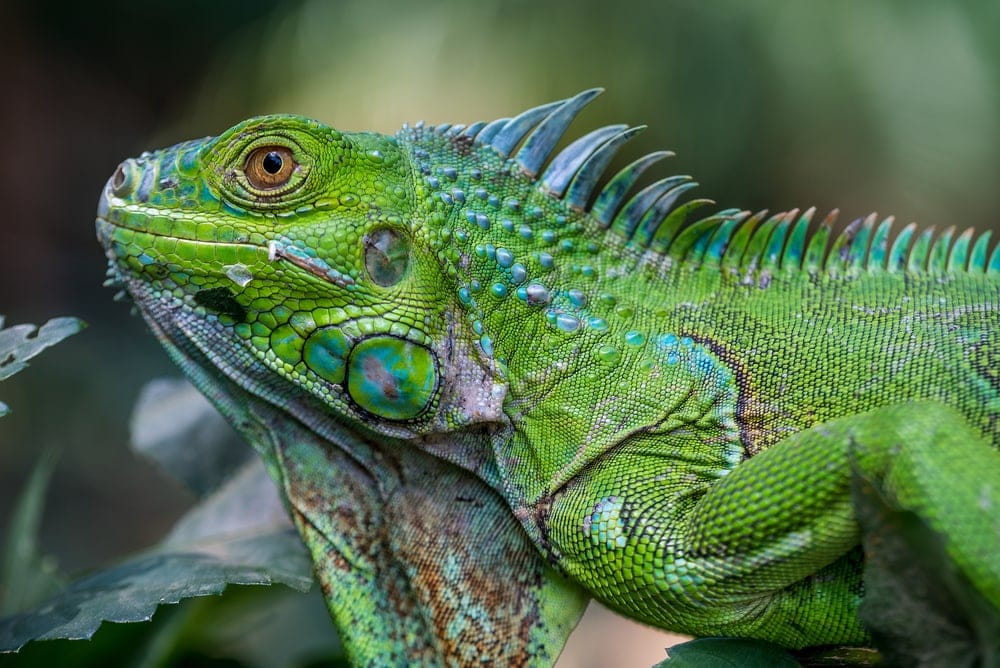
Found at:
<point>488,394</point>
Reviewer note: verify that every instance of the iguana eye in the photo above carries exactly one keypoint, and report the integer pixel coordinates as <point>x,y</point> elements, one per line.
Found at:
<point>387,255</point>
<point>269,167</point>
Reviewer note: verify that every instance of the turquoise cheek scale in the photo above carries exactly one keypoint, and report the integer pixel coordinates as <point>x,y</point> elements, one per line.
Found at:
<point>391,378</point>
<point>325,351</point>
<point>386,376</point>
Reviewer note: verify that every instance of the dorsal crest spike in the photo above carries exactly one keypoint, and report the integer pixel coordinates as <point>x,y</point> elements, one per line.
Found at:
<point>585,179</point>
<point>567,164</point>
<point>795,249</point>
<point>978,258</point>
<point>879,250</point>
<point>938,257</point>
<point>718,242</point>
<point>606,206</point>
<point>650,200</point>
<point>775,249</point>
<point>752,248</point>
<point>757,243</point>
<point>836,261</point>
<point>994,264</point>
<point>857,253</point>
<point>667,229</point>
<point>542,140</point>
<point>658,213</point>
<point>474,129</point>
<point>490,130</point>
<point>958,258</point>
<point>732,259</point>
<point>899,251</point>
<point>917,259</point>
<point>514,131</point>
<point>816,250</point>
<point>691,243</point>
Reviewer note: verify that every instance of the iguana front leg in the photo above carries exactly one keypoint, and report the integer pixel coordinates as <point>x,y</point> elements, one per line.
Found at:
<point>768,550</point>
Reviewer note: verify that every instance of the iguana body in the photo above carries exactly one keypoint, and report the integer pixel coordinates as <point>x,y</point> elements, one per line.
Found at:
<point>487,386</point>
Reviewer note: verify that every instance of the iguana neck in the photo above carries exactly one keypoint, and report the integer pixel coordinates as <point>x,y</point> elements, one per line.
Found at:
<point>557,311</point>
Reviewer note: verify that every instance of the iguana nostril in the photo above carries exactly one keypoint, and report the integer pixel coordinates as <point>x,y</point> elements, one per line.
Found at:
<point>121,181</point>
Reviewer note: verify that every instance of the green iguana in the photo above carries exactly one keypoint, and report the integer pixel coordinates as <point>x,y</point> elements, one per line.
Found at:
<point>490,388</point>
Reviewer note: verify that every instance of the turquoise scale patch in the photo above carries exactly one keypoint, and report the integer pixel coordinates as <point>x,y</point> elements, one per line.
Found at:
<point>392,378</point>
<point>286,344</point>
<point>325,352</point>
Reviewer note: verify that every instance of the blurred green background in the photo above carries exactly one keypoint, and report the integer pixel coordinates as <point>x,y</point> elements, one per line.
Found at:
<point>861,105</point>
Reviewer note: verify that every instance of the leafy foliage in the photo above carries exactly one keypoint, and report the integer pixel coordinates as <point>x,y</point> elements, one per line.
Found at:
<point>238,534</point>
<point>25,576</point>
<point>20,343</point>
<point>174,426</point>
<point>728,653</point>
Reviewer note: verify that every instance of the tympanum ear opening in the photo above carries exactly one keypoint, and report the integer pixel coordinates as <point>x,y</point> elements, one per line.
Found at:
<point>387,256</point>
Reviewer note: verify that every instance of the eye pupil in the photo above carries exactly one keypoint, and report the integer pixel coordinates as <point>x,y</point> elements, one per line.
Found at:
<point>269,168</point>
<point>272,162</point>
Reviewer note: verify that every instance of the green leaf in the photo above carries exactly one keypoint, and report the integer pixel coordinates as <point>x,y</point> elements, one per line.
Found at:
<point>257,627</point>
<point>20,343</point>
<point>838,656</point>
<point>175,426</point>
<point>918,605</point>
<point>25,577</point>
<point>728,653</point>
<point>238,535</point>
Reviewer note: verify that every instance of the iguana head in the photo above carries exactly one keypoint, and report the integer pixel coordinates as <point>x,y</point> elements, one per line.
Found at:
<point>298,242</point>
